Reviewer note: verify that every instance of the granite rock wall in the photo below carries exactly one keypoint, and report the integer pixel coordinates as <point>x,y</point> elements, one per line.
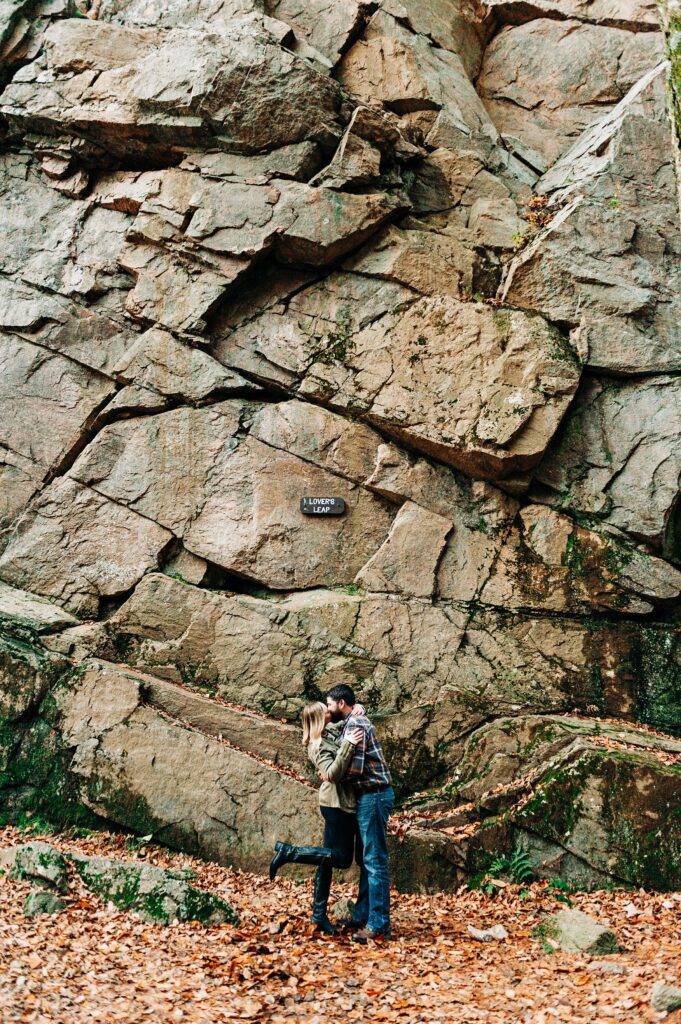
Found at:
<point>421,256</point>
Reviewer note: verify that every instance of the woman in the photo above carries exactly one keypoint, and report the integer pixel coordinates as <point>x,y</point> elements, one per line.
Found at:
<point>338,807</point>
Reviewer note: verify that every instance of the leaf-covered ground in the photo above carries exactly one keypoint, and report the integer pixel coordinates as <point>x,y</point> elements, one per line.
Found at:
<point>96,963</point>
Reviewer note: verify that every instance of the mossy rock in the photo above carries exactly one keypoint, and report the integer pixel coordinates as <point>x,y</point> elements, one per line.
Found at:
<point>425,861</point>
<point>158,896</point>
<point>659,696</point>
<point>41,901</point>
<point>41,861</point>
<point>576,932</point>
<point>617,810</point>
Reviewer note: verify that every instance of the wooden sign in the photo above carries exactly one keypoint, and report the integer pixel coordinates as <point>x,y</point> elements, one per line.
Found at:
<point>322,506</point>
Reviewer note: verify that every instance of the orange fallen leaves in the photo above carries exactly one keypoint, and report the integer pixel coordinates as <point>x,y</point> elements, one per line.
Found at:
<point>97,965</point>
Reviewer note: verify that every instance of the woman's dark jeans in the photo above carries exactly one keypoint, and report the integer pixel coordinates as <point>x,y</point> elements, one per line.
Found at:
<point>342,837</point>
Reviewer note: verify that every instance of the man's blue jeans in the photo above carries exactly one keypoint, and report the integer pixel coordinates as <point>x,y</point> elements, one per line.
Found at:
<point>373,899</point>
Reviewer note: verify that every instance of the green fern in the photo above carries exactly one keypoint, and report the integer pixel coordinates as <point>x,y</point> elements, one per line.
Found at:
<point>520,868</point>
<point>499,866</point>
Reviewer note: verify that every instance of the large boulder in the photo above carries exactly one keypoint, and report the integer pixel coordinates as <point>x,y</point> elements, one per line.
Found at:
<point>39,862</point>
<point>564,73</point>
<point>586,801</point>
<point>576,932</point>
<point>500,752</point>
<point>431,672</point>
<point>239,220</point>
<point>62,394</point>
<point>24,612</point>
<point>586,798</point>
<point>174,13</point>
<point>481,389</point>
<point>235,499</point>
<point>614,808</point>
<point>27,673</point>
<point>549,562</point>
<point>142,95</point>
<point>57,243</point>
<point>464,28</point>
<point>630,477</point>
<point>77,547</point>
<point>223,803</point>
<point>407,73</point>
<point>608,262</point>
<point>636,15</point>
<point>157,895</point>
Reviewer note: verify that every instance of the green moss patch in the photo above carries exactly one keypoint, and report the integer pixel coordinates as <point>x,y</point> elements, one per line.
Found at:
<point>157,895</point>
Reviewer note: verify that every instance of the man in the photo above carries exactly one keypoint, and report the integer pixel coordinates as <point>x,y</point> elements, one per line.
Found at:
<point>375,798</point>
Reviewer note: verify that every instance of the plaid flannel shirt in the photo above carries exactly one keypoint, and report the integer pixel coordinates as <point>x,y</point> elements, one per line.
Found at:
<point>368,767</point>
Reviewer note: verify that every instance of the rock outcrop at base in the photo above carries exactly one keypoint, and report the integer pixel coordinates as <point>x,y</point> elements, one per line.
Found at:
<point>421,257</point>
<point>587,802</point>
<point>157,895</point>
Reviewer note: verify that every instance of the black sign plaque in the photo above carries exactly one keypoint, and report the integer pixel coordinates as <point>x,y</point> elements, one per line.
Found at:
<point>322,506</point>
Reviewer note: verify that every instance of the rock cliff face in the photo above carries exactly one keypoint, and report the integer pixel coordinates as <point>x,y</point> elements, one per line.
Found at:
<point>423,256</point>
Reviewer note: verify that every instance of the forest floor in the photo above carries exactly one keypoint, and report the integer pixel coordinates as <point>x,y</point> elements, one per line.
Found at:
<point>96,963</point>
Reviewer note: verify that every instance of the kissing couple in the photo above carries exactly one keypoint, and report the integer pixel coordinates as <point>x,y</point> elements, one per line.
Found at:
<point>355,800</point>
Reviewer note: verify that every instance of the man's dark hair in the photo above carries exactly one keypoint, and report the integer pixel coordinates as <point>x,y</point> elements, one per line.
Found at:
<point>342,692</point>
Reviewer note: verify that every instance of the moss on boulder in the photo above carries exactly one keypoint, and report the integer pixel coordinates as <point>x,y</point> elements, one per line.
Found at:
<point>157,895</point>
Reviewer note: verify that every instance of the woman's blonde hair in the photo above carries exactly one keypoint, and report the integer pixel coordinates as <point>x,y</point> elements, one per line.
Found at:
<point>314,720</point>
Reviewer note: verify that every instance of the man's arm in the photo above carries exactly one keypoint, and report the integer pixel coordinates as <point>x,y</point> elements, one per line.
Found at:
<point>353,735</point>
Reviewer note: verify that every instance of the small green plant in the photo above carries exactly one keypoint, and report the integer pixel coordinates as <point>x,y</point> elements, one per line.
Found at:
<point>515,868</point>
<point>35,825</point>
<point>175,575</point>
<point>77,832</point>
<point>520,869</point>
<point>484,883</point>
<point>348,588</point>
<point>499,866</point>
<point>575,557</point>
<point>613,202</point>
<point>135,843</point>
<point>559,889</point>
<point>339,344</point>
<point>520,240</point>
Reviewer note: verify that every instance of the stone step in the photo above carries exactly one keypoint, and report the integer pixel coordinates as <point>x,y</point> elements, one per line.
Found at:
<point>269,739</point>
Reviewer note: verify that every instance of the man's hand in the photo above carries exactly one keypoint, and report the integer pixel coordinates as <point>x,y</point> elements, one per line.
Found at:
<point>353,736</point>
<point>323,777</point>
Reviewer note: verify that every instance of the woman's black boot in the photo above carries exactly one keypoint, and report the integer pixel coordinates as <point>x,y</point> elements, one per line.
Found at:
<point>322,888</point>
<point>287,854</point>
<point>281,856</point>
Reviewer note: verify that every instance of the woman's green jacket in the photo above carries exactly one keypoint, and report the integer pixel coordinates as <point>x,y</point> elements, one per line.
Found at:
<point>334,761</point>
